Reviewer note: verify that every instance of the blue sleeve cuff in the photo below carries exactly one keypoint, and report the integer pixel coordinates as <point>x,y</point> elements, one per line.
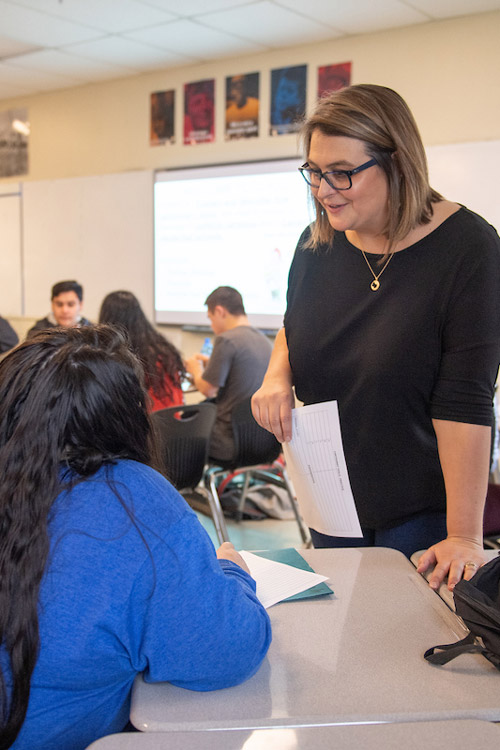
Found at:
<point>232,568</point>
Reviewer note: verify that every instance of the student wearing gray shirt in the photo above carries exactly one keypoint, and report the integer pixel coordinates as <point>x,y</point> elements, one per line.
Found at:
<point>236,367</point>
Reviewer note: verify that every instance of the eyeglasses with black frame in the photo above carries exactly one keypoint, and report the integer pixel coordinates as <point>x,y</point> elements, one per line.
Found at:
<point>338,179</point>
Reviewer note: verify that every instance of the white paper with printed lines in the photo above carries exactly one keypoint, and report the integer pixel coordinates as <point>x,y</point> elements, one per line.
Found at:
<point>316,463</point>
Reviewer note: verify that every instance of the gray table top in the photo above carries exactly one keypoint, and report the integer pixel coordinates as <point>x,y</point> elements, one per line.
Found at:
<point>431,735</point>
<point>355,656</point>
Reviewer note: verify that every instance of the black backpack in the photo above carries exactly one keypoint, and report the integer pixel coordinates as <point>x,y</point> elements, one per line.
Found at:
<point>477,602</point>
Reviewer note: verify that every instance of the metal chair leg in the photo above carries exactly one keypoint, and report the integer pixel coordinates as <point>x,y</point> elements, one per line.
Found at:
<point>241,503</point>
<point>215,508</point>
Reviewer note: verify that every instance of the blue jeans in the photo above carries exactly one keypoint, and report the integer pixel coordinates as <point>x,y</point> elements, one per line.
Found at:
<point>420,532</point>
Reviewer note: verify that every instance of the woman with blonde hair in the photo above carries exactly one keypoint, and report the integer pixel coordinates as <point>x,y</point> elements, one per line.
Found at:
<point>393,310</point>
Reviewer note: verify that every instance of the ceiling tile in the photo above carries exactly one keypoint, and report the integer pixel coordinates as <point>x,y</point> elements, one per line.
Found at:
<point>188,8</point>
<point>127,53</point>
<point>452,8</point>
<point>191,38</point>
<point>54,61</point>
<point>105,15</point>
<point>40,29</point>
<point>360,16</point>
<point>268,23</point>
<point>9,47</point>
<point>91,40</point>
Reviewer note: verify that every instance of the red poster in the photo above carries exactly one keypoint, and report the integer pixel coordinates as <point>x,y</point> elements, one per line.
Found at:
<point>333,78</point>
<point>199,112</point>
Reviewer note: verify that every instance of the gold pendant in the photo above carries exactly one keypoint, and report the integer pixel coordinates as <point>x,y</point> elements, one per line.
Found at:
<point>375,285</point>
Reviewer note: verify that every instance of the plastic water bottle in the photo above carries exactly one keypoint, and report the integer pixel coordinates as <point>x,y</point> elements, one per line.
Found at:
<point>207,346</point>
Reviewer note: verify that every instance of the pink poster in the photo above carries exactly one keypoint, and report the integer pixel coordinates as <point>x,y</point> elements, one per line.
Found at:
<point>199,112</point>
<point>333,78</point>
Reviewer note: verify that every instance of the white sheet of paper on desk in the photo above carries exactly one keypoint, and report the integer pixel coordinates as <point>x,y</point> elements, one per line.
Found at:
<point>316,463</point>
<point>277,581</point>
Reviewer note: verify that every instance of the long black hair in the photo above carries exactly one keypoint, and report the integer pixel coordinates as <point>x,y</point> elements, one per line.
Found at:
<point>69,398</point>
<point>159,356</point>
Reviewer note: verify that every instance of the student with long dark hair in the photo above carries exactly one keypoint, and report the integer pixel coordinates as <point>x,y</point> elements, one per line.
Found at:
<point>163,366</point>
<point>105,572</point>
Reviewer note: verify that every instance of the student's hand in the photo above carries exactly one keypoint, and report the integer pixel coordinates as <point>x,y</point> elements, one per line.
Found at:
<point>272,407</point>
<point>453,557</point>
<point>227,552</point>
<point>193,365</point>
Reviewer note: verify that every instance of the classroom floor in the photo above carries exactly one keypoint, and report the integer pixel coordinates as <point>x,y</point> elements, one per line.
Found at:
<point>268,533</point>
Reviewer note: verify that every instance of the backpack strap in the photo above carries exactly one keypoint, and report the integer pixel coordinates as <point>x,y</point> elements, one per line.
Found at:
<point>444,654</point>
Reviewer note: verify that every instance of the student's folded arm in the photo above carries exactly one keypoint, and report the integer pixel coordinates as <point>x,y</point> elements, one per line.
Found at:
<point>205,629</point>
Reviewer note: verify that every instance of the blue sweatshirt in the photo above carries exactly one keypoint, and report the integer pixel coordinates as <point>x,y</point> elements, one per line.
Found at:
<point>133,585</point>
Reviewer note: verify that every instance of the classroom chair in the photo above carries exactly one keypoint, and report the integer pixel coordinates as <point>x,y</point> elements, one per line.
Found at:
<point>256,456</point>
<point>184,434</point>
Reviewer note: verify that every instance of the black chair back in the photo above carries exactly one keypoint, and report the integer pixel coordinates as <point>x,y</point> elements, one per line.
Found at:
<point>253,444</point>
<point>491,519</point>
<point>255,451</point>
<point>184,434</point>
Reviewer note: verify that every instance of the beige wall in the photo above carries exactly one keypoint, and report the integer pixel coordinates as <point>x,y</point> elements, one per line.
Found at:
<point>448,71</point>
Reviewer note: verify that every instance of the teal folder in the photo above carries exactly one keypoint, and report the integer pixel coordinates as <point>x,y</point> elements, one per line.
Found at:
<point>290,556</point>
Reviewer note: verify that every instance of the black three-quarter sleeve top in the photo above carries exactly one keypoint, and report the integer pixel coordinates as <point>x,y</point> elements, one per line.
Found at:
<point>425,345</point>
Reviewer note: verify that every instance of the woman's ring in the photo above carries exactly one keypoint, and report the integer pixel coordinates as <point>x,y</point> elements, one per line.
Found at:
<point>470,564</point>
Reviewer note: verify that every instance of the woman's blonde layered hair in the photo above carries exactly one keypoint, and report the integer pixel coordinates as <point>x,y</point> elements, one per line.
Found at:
<point>380,118</point>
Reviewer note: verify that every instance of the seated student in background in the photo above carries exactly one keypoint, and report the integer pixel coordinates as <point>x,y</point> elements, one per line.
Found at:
<point>236,367</point>
<point>162,363</point>
<point>8,337</point>
<point>106,571</point>
<point>67,302</point>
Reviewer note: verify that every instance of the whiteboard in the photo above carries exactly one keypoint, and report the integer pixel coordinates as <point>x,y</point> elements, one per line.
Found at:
<point>210,221</point>
<point>97,230</point>
<point>468,173</point>
<point>11,272</point>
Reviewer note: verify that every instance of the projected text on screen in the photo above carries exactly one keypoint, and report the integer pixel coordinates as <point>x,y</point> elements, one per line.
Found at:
<point>236,225</point>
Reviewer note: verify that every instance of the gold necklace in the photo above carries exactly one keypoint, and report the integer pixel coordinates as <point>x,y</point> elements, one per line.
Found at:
<point>376,283</point>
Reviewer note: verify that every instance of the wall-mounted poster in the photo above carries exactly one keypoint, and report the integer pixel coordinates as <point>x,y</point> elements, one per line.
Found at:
<point>333,78</point>
<point>199,112</point>
<point>162,118</point>
<point>242,106</point>
<point>14,138</point>
<point>288,99</point>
